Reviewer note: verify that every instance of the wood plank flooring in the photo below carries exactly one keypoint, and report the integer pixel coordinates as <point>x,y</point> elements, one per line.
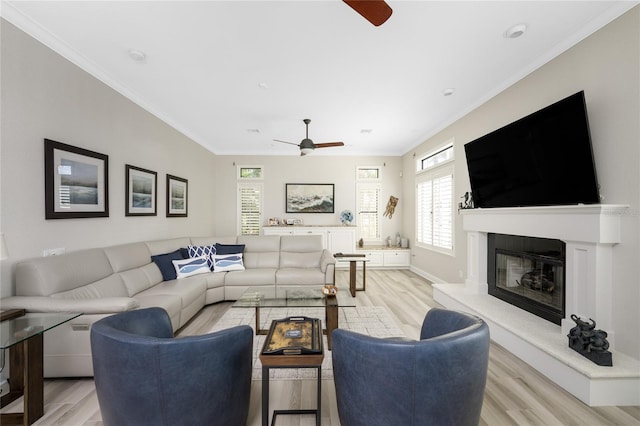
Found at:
<point>516,394</point>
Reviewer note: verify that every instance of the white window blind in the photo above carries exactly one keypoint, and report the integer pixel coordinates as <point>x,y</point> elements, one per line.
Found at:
<point>250,207</point>
<point>368,217</point>
<point>434,203</point>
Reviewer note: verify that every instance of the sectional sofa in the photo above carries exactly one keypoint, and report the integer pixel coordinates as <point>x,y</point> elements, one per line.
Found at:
<point>102,281</point>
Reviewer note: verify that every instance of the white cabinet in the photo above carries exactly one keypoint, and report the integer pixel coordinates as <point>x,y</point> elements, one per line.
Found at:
<point>387,257</point>
<point>337,239</point>
<point>374,257</point>
<point>396,258</point>
<point>341,240</point>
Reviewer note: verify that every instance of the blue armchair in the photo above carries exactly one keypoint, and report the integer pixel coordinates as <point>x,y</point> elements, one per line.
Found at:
<point>144,376</point>
<point>438,380</point>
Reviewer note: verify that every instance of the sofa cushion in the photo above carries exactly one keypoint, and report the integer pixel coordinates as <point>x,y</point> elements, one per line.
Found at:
<point>299,276</point>
<point>211,241</point>
<point>188,289</point>
<point>165,263</point>
<point>127,256</point>
<point>261,251</point>
<point>192,266</point>
<point>300,251</point>
<point>139,279</point>
<point>112,286</point>
<point>227,262</point>
<point>166,246</point>
<point>251,277</point>
<point>53,274</point>
<point>300,260</point>
<point>209,251</point>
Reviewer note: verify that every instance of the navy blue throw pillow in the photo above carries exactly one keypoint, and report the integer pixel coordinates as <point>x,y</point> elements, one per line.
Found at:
<point>229,248</point>
<point>165,264</point>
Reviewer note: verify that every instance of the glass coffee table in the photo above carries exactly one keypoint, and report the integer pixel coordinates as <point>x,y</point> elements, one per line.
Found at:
<point>22,333</point>
<point>257,298</point>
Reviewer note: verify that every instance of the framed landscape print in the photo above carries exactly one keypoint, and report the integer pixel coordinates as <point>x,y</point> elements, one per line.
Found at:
<point>177,196</point>
<point>309,198</point>
<point>76,182</point>
<point>141,189</point>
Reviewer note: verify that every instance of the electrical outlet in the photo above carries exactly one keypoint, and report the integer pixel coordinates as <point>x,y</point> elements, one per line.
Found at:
<point>53,252</point>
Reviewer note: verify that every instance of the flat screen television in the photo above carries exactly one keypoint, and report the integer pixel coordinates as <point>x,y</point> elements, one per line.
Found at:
<point>542,159</point>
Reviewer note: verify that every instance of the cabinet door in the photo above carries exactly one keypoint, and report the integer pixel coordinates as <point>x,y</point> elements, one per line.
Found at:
<point>374,257</point>
<point>396,258</point>
<point>309,231</point>
<point>341,240</point>
<point>275,231</point>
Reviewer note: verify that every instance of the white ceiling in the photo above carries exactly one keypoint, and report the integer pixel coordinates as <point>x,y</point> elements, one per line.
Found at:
<point>220,70</point>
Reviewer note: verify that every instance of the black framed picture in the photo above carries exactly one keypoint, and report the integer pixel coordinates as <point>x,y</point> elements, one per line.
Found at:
<point>76,182</point>
<point>177,196</point>
<point>141,187</point>
<point>309,198</point>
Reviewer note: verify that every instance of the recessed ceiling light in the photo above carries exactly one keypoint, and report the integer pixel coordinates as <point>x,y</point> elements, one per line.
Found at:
<point>263,85</point>
<point>366,130</point>
<point>515,31</point>
<point>448,91</point>
<point>253,130</point>
<point>137,55</point>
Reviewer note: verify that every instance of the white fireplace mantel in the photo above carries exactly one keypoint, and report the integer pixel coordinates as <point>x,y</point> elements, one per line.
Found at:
<point>590,233</point>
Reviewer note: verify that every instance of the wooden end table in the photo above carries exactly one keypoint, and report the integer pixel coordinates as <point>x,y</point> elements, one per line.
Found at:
<point>270,361</point>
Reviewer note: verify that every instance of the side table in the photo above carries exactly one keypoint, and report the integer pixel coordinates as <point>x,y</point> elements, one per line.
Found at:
<point>286,360</point>
<point>353,260</point>
<point>22,334</point>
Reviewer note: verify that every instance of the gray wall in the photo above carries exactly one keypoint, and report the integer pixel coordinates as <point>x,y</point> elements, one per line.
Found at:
<point>279,170</point>
<point>606,66</point>
<point>45,96</point>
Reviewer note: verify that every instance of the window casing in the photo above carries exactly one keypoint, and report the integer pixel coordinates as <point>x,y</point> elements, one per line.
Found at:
<point>434,200</point>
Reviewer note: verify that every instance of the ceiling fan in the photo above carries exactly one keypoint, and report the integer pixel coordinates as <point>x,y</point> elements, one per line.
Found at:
<point>375,11</point>
<point>307,146</point>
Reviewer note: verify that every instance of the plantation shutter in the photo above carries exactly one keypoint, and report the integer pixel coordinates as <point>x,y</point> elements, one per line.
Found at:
<point>434,205</point>
<point>368,218</point>
<point>250,208</point>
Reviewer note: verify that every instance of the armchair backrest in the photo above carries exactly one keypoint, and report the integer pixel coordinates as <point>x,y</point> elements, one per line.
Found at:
<point>144,376</point>
<point>439,380</point>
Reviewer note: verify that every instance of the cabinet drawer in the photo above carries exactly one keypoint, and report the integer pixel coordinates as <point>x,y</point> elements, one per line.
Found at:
<point>396,258</point>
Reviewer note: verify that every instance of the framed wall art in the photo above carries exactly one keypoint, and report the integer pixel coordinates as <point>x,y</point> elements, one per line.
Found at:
<point>177,196</point>
<point>141,187</point>
<point>76,182</point>
<point>309,198</point>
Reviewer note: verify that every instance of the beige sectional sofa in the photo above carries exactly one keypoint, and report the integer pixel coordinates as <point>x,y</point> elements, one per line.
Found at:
<point>102,281</point>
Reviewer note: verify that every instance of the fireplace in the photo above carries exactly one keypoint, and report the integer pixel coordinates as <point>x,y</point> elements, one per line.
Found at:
<point>590,233</point>
<point>529,273</point>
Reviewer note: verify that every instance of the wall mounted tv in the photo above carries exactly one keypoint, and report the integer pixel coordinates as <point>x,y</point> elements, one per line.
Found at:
<point>542,159</point>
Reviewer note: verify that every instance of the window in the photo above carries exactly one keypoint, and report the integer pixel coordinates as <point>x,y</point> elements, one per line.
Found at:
<point>434,200</point>
<point>368,173</point>
<point>250,208</point>
<point>368,217</point>
<point>250,172</point>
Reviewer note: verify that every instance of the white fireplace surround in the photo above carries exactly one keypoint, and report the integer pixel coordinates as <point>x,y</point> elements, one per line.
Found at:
<point>590,233</point>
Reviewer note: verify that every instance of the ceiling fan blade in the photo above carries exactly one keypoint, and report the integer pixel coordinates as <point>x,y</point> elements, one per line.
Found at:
<point>329,144</point>
<point>375,11</point>
<point>290,143</point>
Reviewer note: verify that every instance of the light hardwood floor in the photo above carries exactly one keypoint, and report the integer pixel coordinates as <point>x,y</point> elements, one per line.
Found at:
<point>515,394</point>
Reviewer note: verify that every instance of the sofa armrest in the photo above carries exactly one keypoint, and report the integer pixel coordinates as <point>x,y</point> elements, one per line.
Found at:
<point>326,260</point>
<point>104,305</point>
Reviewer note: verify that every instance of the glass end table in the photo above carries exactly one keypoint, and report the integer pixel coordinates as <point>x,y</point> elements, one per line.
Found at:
<point>22,334</point>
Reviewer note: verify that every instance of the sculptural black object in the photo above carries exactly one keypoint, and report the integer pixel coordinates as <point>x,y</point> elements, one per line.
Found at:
<point>589,342</point>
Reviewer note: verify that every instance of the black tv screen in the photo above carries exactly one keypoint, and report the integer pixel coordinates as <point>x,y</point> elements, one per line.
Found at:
<point>542,159</point>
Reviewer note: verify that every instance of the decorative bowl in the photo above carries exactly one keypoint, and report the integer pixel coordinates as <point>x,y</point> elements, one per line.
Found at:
<point>329,290</point>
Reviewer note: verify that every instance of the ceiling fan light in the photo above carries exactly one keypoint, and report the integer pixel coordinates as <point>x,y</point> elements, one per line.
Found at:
<point>305,151</point>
